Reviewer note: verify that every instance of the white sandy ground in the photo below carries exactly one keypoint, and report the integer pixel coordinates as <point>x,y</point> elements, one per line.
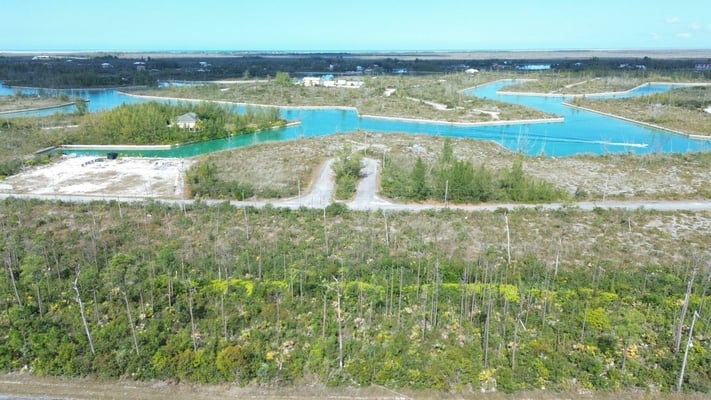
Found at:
<point>98,176</point>
<point>84,179</point>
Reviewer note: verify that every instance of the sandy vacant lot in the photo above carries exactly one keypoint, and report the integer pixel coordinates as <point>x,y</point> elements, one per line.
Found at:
<point>280,164</point>
<point>125,177</point>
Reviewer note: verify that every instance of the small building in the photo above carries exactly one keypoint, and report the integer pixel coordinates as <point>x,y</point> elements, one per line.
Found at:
<point>311,81</point>
<point>329,82</point>
<point>187,121</point>
<point>471,71</point>
<point>534,67</point>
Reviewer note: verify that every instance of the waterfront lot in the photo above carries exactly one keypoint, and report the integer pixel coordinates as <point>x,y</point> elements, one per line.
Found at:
<point>285,168</point>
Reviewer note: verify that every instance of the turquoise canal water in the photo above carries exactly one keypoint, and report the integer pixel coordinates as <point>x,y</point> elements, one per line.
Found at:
<point>581,132</point>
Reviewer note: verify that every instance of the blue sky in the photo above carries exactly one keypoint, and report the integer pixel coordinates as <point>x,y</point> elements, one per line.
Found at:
<point>315,25</point>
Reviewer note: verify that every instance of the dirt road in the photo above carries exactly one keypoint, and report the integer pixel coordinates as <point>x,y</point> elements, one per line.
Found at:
<point>366,198</point>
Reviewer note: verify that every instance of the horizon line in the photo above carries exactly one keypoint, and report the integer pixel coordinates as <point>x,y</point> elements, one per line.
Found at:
<point>348,51</point>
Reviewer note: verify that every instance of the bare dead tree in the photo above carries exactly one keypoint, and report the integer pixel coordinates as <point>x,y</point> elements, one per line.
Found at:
<point>686,353</point>
<point>13,281</point>
<point>339,319</point>
<point>517,322</point>
<point>130,322</point>
<point>325,231</point>
<point>487,328</point>
<point>682,316</point>
<point>323,319</point>
<point>508,239</point>
<point>81,311</point>
<point>193,330</point>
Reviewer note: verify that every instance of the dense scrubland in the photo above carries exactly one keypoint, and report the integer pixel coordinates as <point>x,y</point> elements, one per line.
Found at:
<point>446,300</point>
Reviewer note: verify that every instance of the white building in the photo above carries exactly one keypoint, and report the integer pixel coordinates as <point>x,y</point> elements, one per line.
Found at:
<point>311,81</point>
<point>187,121</point>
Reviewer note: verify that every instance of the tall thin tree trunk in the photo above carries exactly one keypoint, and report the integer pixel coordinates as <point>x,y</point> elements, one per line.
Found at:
<point>340,326</point>
<point>323,319</point>
<point>508,240</point>
<point>435,294</point>
<point>193,331</point>
<point>515,340</point>
<point>8,264</point>
<point>222,314</point>
<point>686,353</point>
<point>487,329</point>
<point>399,299</point>
<point>39,299</point>
<point>682,316</point>
<point>81,312</point>
<point>130,322</point>
<point>325,231</point>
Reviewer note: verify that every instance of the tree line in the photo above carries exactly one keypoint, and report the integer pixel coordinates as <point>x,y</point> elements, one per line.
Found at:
<point>454,180</point>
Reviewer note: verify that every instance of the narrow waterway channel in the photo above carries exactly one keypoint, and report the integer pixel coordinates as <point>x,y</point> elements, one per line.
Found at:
<point>580,132</point>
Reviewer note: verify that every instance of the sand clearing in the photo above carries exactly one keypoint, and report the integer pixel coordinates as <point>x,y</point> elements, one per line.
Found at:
<point>125,177</point>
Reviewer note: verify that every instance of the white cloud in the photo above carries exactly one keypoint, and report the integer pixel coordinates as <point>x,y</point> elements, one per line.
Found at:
<point>684,35</point>
<point>696,26</point>
<point>673,20</point>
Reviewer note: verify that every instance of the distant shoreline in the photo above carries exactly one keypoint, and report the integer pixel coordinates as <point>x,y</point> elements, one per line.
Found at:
<point>634,121</point>
<point>404,119</point>
<point>400,54</point>
<point>24,110</point>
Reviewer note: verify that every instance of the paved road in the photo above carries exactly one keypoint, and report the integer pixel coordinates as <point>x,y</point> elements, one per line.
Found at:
<point>367,198</point>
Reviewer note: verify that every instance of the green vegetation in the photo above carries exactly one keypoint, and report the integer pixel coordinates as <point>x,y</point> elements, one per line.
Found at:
<point>458,181</point>
<point>452,301</point>
<point>202,181</point>
<point>679,109</point>
<point>21,137</point>
<point>155,123</point>
<point>347,170</point>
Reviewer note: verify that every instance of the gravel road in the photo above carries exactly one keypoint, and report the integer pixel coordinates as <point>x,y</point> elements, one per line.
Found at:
<point>367,198</point>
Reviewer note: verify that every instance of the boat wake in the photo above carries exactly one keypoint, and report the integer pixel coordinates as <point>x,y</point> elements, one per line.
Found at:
<point>620,144</point>
<point>532,138</point>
